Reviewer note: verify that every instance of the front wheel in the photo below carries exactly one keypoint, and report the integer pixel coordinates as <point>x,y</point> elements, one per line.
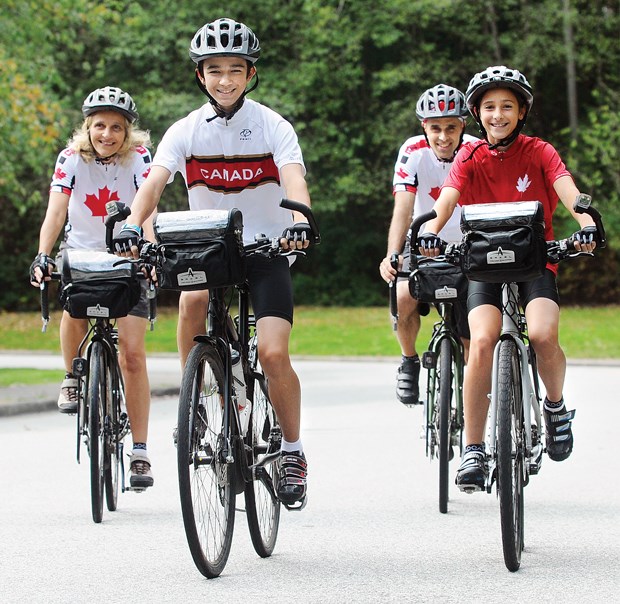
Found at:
<point>261,502</point>
<point>96,401</point>
<point>113,435</point>
<point>206,479</point>
<point>510,453</point>
<point>445,404</point>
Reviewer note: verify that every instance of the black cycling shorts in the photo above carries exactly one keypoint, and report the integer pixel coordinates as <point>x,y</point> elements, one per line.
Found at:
<point>491,293</point>
<point>141,309</point>
<point>271,287</point>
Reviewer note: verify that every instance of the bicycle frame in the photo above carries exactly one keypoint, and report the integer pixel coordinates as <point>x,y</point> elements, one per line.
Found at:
<point>223,331</point>
<point>99,331</point>
<point>513,327</point>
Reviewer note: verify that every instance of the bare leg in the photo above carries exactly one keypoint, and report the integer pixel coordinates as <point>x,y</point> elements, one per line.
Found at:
<point>408,325</point>
<point>543,320</point>
<point>192,320</point>
<point>485,325</point>
<point>72,331</point>
<point>284,386</point>
<point>132,357</point>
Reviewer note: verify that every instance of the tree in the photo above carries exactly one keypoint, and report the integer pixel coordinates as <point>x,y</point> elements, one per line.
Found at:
<point>346,73</point>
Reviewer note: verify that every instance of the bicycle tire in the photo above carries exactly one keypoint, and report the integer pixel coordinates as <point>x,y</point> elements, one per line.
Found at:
<point>445,405</point>
<point>510,453</point>
<point>261,502</point>
<point>112,444</point>
<point>206,481</point>
<point>96,443</point>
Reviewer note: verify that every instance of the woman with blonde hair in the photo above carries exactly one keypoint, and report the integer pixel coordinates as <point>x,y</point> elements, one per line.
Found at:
<point>106,160</point>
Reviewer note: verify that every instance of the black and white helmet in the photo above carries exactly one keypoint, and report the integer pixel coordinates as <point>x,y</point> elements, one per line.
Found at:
<point>441,101</point>
<point>498,76</point>
<point>224,37</point>
<point>112,99</point>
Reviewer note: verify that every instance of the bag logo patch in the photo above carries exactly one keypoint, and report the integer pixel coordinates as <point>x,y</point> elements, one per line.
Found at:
<point>446,293</point>
<point>500,256</point>
<point>191,278</point>
<point>98,311</point>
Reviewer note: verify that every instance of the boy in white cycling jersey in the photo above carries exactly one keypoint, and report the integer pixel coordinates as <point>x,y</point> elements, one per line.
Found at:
<point>509,166</point>
<point>422,165</point>
<point>235,152</point>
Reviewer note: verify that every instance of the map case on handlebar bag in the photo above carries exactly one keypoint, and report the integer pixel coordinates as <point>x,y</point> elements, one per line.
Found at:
<point>199,249</point>
<point>503,242</point>
<point>97,284</point>
<point>437,281</point>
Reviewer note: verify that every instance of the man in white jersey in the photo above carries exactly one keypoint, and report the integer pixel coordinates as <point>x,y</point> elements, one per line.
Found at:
<point>235,152</point>
<point>423,163</point>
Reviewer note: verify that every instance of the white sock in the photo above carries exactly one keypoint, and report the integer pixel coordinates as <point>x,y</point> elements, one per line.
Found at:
<point>290,447</point>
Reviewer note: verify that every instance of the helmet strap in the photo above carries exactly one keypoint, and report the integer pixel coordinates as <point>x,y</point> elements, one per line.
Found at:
<point>104,160</point>
<point>505,142</point>
<point>98,158</point>
<point>446,161</point>
<point>219,110</point>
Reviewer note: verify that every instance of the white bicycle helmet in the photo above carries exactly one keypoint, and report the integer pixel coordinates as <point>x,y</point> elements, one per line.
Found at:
<point>498,76</point>
<point>224,37</point>
<point>110,98</point>
<point>441,101</point>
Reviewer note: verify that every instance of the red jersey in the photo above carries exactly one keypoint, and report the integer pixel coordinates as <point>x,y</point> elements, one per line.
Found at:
<point>525,172</point>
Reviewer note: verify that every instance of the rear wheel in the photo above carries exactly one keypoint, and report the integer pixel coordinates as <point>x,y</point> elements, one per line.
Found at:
<point>96,397</point>
<point>445,439</point>
<point>261,502</point>
<point>510,453</point>
<point>206,480</point>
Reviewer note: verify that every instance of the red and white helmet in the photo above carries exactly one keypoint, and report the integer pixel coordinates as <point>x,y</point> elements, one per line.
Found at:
<point>441,101</point>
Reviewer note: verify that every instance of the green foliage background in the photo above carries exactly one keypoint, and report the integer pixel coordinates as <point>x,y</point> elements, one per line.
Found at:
<point>347,73</point>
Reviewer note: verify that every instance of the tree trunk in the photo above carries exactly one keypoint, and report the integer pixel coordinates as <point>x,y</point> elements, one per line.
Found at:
<point>571,79</point>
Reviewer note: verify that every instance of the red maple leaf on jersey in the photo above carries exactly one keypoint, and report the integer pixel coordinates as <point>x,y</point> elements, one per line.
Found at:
<point>59,174</point>
<point>96,203</point>
<point>434,192</point>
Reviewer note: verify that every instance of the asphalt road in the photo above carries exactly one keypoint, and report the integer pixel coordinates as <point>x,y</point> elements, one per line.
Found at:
<point>371,531</point>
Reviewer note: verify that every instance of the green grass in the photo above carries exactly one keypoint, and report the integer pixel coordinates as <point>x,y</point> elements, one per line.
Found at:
<point>13,377</point>
<point>585,332</point>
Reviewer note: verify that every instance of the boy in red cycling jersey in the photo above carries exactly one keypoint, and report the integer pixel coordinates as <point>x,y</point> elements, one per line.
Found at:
<point>509,166</point>
<point>420,170</point>
<point>235,152</point>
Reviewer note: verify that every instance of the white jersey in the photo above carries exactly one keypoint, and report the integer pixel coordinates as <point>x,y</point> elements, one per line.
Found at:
<point>419,171</point>
<point>90,185</point>
<point>234,163</point>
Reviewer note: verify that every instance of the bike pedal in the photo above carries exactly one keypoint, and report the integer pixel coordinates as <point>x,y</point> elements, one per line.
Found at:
<point>297,506</point>
<point>412,405</point>
<point>136,489</point>
<point>469,488</point>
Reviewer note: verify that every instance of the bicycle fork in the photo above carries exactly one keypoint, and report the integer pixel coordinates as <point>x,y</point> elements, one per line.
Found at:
<point>529,401</point>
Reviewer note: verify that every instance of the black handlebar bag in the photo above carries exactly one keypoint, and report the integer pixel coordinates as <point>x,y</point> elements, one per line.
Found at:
<point>503,242</point>
<point>436,281</point>
<point>200,249</point>
<point>97,284</point>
